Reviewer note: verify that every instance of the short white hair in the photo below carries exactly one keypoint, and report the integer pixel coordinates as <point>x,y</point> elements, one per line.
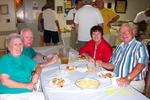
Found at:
<point>24,30</point>
<point>10,37</point>
<point>132,26</point>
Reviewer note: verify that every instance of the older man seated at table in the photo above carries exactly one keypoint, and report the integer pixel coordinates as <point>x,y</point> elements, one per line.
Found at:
<point>27,37</point>
<point>129,60</point>
<point>97,48</point>
<point>16,70</point>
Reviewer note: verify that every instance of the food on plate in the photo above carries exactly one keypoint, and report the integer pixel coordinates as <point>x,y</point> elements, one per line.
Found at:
<point>59,82</point>
<point>87,83</point>
<point>90,69</point>
<point>106,74</point>
<point>82,57</point>
<point>71,68</point>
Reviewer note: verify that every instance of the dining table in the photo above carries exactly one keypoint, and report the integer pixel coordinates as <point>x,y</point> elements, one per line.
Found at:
<point>106,88</point>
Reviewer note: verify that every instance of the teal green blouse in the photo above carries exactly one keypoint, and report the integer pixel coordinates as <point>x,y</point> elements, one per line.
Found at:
<point>30,52</point>
<point>19,69</point>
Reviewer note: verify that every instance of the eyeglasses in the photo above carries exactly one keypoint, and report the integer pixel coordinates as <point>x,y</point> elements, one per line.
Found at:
<point>125,33</point>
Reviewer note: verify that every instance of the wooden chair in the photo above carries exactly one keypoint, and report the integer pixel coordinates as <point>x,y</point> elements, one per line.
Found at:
<point>147,82</point>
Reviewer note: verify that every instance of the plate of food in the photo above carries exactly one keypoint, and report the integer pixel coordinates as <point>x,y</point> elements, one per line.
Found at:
<point>71,68</point>
<point>87,83</point>
<point>106,74</point>
<point>59,82</point>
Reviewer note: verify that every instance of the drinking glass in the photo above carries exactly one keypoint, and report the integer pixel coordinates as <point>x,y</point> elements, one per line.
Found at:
<point>91,67</point>
<point>64,55</point>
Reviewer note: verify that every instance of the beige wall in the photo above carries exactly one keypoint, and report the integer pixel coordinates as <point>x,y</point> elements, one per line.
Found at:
<point>4,25</point>
<point>133,7</point>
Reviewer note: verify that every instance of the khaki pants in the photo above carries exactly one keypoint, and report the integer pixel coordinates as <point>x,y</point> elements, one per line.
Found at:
<point>138,85</point>
<point>73,39</point>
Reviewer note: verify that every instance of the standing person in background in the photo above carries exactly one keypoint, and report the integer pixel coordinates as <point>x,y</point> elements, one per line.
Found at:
<point>97,49</point>
<point>129,60</point>
<point>85,18</point>
<point>70,21</point>
<point>41,21</point>
<point>142,19</point>
<point>109,17</point>
<point>41,25</point>
<point>72,12</point>
<point>51,25</point>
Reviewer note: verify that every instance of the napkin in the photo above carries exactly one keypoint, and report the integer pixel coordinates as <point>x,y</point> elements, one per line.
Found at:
<point>82,69</point>
<point>114,81</point>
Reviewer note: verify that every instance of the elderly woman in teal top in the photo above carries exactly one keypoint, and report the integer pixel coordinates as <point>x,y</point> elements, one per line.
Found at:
<point>27,37</point>
<point>16,71</point>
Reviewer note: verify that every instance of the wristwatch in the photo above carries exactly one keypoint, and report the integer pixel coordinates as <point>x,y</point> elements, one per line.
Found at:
<point>129,78</point>
<point>33,72</point>
<point>44,57</point>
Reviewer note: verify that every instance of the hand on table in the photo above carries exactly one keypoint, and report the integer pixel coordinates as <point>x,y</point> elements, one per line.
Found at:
<point>30,86</point>
<point>123,82</point>
<point>91,59</point>
<point>87,57</point>
<point>98,63</point>
<point>53,59</point>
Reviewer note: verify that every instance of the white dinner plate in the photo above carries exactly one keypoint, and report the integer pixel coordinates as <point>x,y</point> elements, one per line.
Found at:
<point>87,83</point>
<point>61,82</point>
<point>106,74</point>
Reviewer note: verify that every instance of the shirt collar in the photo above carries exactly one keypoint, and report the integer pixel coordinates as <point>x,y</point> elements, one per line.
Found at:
<point>122,44</point>
<point>87,6</point>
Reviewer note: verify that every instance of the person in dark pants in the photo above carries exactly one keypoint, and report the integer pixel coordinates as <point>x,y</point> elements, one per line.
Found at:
<point>51,36</point>
<point>51,26</point>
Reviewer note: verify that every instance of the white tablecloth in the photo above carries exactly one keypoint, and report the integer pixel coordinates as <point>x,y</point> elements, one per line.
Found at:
<point>106,91</point>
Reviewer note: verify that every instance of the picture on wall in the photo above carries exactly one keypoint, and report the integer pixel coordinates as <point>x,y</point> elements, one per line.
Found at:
<point>120,6</point>
<point>69,4</point>
<point>4,9</point>
<point>59,9</point>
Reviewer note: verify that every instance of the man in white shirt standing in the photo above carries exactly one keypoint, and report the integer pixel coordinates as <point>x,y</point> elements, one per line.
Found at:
<point>142,20</point>
<point>86,17</point>
<point>51,25</point>
<point>70,21</point>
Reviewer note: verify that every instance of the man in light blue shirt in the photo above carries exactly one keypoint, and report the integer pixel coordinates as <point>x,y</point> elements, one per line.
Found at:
<point>129,60</point>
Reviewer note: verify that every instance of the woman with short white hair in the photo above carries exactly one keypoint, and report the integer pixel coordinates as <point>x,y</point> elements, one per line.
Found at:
<point>17,82</point>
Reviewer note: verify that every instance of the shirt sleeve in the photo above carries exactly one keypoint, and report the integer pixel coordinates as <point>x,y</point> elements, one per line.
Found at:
<point>85,48</point>
<point>76,20</point>
<point>70,15</point>
<point>142,54</point>
<point>113,57</point>
<point>2,68</point>
<point>139,17</point>
<point>112,14</point>
<point>33,52</point>
<point>56,16</point>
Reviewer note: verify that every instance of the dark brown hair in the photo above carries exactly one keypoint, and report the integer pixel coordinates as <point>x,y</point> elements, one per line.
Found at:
<point>96,28</point>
